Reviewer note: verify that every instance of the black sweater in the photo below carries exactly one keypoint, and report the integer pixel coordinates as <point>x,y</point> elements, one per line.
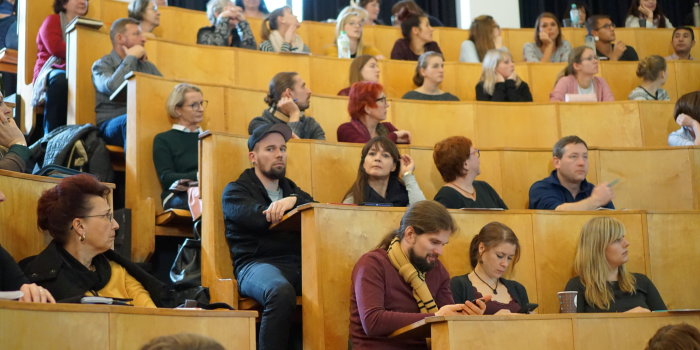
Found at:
<point>462,291</point>
<point>247,229</point>
<point>505,92</point>
<point>646,296</point>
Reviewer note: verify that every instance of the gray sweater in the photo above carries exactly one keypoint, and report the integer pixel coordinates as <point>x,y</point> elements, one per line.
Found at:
<point>305,128</point>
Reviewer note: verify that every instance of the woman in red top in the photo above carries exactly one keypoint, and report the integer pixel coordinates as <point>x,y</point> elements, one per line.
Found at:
<point>51,41</point>
<point>367,106</point>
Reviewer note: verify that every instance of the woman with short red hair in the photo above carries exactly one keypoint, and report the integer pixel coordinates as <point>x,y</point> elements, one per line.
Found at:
<point>367,106</point>
<point>458,163</point>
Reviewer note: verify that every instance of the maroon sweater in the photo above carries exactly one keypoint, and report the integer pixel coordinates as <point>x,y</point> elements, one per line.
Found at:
<point>382,302</point>
<point>49,42</point>
<point>355,131</point>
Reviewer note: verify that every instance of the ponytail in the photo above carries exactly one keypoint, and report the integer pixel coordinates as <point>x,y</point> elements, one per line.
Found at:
<point>270,22</point>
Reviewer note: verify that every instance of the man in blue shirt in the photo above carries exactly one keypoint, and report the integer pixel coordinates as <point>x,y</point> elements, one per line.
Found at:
<point>566,188</point>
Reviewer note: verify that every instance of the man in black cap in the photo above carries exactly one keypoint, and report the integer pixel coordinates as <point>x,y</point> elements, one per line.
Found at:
<point>266,263</point>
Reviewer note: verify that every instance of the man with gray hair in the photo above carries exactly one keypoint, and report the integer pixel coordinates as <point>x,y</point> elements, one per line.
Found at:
<point>128,55</point>
<point>229,27</point>
<point>566,187</point>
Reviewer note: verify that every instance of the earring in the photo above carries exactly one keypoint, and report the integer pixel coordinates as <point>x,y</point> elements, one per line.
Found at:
<point>82,237</point>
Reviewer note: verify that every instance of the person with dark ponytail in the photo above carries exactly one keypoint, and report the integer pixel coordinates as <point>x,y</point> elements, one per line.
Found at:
<point>492,253</point>
<point>646,14</point>
<point>417,37</point>
<point>279,33</point>
<point>402,281</point>
<point>429,75</point>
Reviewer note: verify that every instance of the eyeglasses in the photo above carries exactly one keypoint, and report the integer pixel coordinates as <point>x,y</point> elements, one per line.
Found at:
<point>607,26</point>
<point>199,106</point>
<point>381,99</point>
<point>477,152</point>
<point>109,216</point>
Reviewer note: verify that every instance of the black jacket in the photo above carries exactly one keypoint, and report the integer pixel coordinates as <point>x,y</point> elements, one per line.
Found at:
<point>505,92</point>
<point>247,230</point>
<point>462,290</point>
<point>11,276</point>
<point>68,280</point>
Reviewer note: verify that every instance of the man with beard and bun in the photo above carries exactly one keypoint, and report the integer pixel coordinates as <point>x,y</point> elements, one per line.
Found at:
<point>402,281</point>
<point>287,99</point>
<point>266,263</point>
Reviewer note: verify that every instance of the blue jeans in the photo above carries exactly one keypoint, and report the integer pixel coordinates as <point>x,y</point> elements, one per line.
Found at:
<point>274,284</point>
<point>113,131</point>
<point>56,106</point>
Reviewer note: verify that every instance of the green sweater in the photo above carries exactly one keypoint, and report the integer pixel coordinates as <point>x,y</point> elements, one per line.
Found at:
<point>175,157</point>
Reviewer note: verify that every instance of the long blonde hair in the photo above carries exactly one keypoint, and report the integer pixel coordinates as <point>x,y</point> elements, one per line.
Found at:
<point>592,266</point>
<point>488,73</point>
<point>343,18</point>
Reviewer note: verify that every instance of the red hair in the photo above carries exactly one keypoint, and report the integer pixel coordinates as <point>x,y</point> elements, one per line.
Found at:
<point>363,94</point>
<point>59,205</point>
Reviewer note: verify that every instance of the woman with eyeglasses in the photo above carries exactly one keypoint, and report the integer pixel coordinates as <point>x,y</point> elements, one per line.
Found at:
<point>367,106</point>
<point>146,12</point>
<point>79,261</point>
<point>175,152</point>
<point>351,20</point>
<point>578,78</point>
<point>458,163</point>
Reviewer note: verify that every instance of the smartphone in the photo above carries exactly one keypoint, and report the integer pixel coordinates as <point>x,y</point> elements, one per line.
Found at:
<point>531,307</point>
<point>614,182</point>
<point>370,204</point>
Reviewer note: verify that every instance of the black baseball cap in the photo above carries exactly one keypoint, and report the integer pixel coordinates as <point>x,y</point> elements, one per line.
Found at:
<point>263,130</point>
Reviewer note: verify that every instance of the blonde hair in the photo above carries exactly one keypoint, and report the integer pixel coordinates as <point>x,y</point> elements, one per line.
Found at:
<point>592,266</point>
<point>649,68</point>
<point>177,98</point>
<point>481,34</point>
<point>345,15</point>
<point>488,73</point>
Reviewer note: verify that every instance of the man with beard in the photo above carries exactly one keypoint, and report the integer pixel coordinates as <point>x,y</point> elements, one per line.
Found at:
<point>267,263</point>
<point>402,281</point>
<point>287,99</point>
<point>566,187</point>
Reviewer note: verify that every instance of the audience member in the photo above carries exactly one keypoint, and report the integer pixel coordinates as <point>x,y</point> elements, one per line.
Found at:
<point>653,72</point>
<point>646,14</point>
<point>417,38</point>
<point>578,78</point>
<point>607,47</point>
<point>372,8</point>
<point>79,261</point>
<point>458,163</point>
<point>378,176</point>
<point>484,35</point>
<point>162,3</point>
<point>128,54</point>
<point>279,33</point>
<point>253,8</point>
<point>549,45</point>
<point>50,66</point>
<point>183,341</point>
<point>603,282</point>
<point>229,26</point>
<point>176,151</point>
<point>8,22</point>
<point>146,12</point>
<point>687,115</point>
<point>287,99</point>
<point>411,7</point>
<point>493,252</point>
<point>351,20</point>
<point>403,281</point>
<point>12,278</point>
<point>11,138</point>
<point>499,82</point>
<point>583,11</point>
<point>362,68</point>
<point>682,41</point>
<point>367,106</point>
<point>566,187</point>
<point>267,263</point>
<point>430,72</point>
<point>680,336</point>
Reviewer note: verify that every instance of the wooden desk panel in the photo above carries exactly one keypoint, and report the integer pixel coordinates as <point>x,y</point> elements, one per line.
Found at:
<point>74,326</point>
<point>516,125</point>
<point>621,121</point>
<point>432,122</point>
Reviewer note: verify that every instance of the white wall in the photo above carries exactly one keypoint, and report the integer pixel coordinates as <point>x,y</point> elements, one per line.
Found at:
<point>505,12</point>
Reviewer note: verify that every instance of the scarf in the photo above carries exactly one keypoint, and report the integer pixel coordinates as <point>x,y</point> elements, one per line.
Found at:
<point>276,40</point>
<point>413,277</point>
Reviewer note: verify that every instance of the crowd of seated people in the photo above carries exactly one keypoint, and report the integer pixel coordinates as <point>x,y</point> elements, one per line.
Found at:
<point>80,220</point>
